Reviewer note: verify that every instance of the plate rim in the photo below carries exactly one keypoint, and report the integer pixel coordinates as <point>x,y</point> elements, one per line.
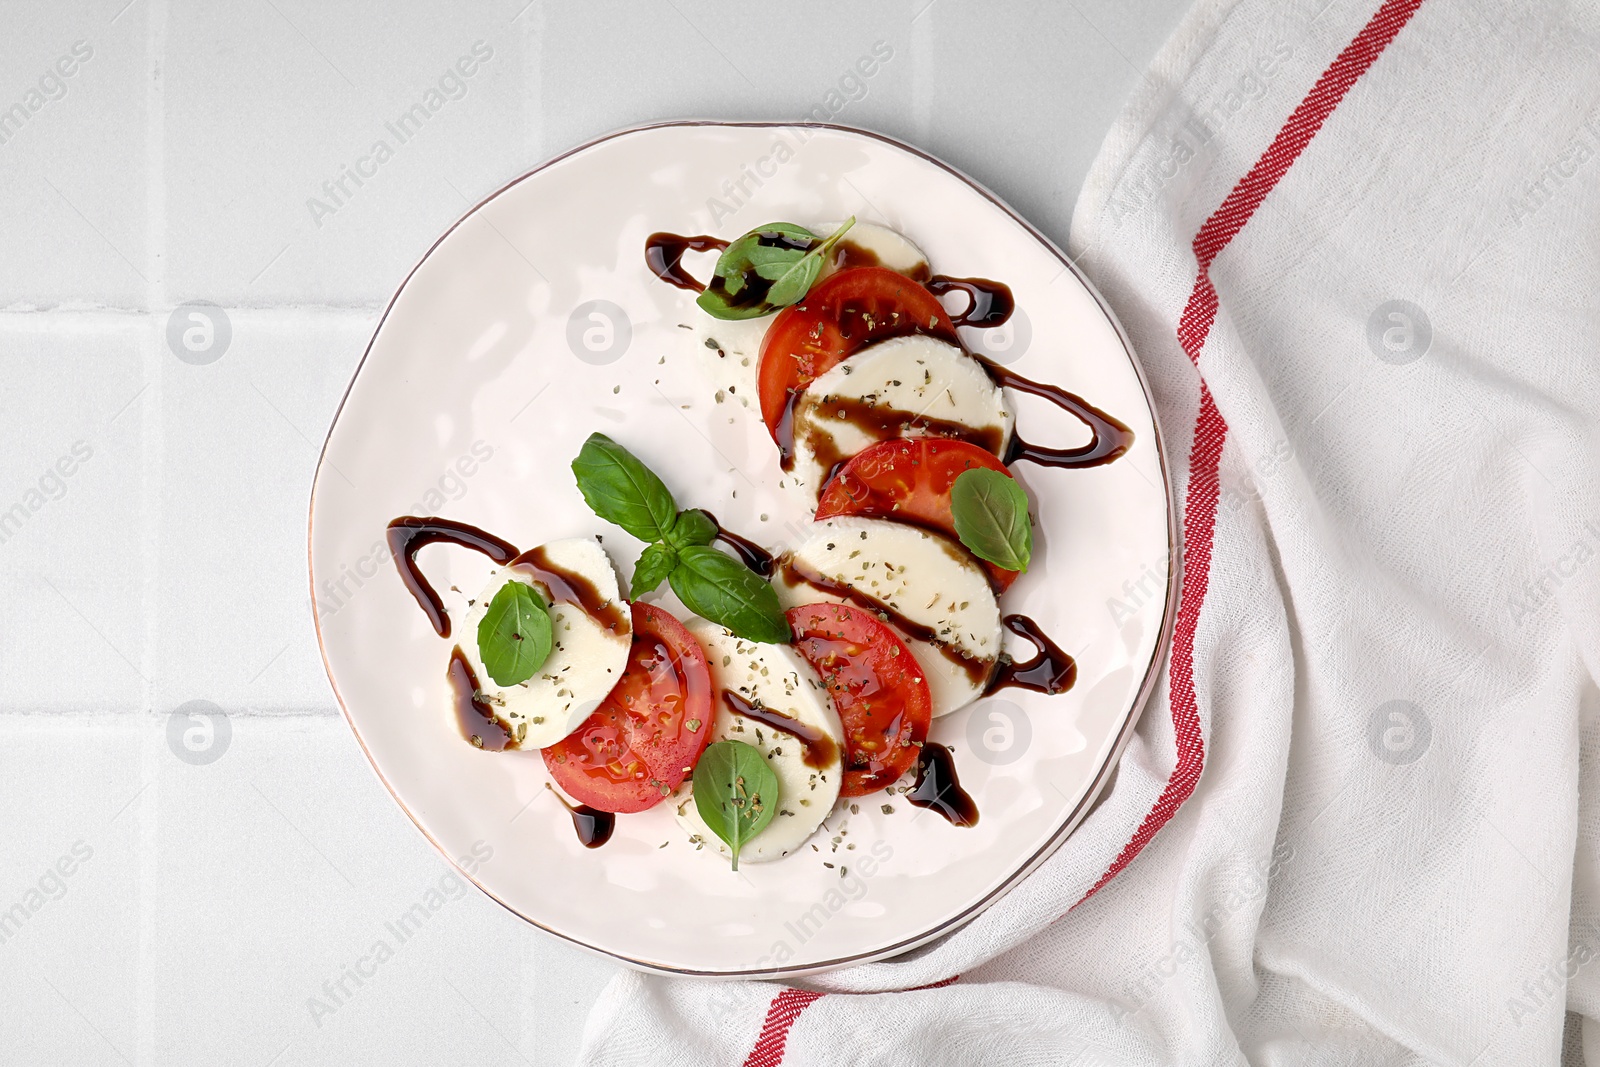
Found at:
<point>1104,777</point>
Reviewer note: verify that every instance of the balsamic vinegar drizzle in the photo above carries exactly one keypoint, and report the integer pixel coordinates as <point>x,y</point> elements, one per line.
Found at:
<point>1109,440</point>
<point>565,587</point>
<point>593,825</point>
<point>409,533</point>
<point>754,556</point>
<point>988,303</point>
<point>847,254</point>
<point>663,254</point>
<point>479,724</point>
<point>818,746</point>
<point>1050,671</point>
<point>938,788</point>
<point>880,423</point>
<point>991,304</point>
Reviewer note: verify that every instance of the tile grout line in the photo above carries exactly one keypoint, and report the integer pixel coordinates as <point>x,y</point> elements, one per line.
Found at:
<point>151,440</point>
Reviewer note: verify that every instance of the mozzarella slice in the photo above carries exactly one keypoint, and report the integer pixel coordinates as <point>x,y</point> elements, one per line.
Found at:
<point>902,387</point>
<point>776,678</point>
<point>881,246</point>
<point>587,657</point>
<point>951,619</point>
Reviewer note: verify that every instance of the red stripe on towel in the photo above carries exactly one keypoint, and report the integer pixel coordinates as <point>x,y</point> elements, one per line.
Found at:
<point>1210,431</point>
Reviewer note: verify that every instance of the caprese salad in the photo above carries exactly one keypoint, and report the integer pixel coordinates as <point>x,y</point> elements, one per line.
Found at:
<point>798,680</point>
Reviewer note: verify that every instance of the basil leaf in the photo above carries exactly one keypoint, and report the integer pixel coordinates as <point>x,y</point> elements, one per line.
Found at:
<point>789,270</point>
<point>775,270</point>
<point>749,248</point>
<point>749,251</point>
<point>715,302</point>
<point>655,563</point>
<point>514,636</point>
<point>750,254</point>
<point>693,527</point>
<point>991,516</point>
<point>718,587</point>
<point>793,284</point>
<point>620,489</point>
<point>735,792</point>
<point>786,229</point>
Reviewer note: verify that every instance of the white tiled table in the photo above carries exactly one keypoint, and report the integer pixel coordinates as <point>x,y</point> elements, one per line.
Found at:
<point>152,510</point>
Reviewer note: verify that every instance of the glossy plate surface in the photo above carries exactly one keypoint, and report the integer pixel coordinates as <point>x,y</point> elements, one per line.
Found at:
<point>491,366</point>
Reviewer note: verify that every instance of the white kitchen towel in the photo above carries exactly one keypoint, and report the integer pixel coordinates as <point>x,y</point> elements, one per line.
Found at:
<point>1357,247</point>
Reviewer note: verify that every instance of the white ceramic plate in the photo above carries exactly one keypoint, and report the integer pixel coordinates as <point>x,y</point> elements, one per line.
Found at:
<point>477,390</point>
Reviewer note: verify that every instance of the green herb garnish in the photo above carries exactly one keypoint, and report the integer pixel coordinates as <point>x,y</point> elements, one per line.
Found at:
<point>735,792</point>
<point>991,516</point>
<point>768,268</point>
<point>718,587</point>
<point>514,636</point>
<point>711,583</point>
<point>620,489</point>
<point>692,527</point>
<point>654,566</point>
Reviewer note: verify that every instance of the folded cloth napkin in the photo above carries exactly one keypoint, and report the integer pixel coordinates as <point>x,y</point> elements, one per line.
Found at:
<point>1357,247</point>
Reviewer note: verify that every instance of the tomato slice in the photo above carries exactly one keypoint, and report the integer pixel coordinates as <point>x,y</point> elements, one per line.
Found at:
<point>847,310</point>
<point>876,685</point>
<point>644,738</point>
<point>909,479</point>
